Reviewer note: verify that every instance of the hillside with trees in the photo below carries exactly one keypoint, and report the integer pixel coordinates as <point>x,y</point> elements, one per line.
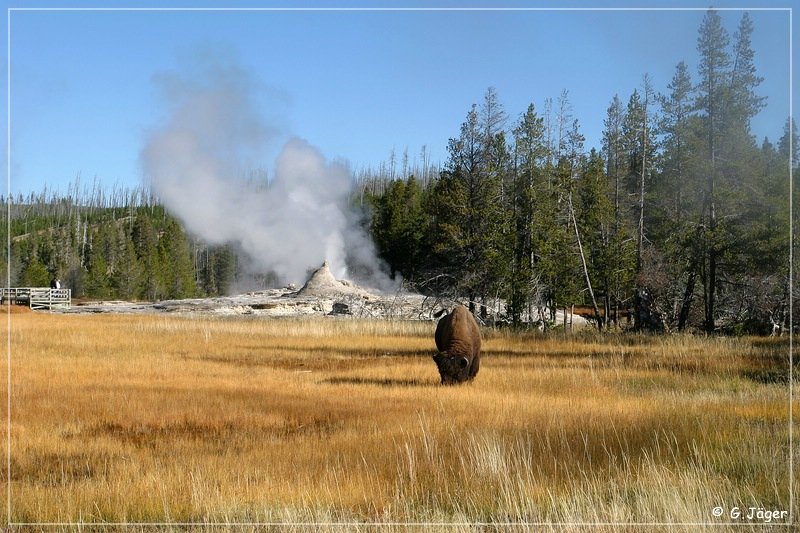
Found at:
<point>680,220</point>
<point>122,245</point>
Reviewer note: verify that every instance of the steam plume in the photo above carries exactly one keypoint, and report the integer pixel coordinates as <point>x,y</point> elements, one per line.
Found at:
<point>195,161</point>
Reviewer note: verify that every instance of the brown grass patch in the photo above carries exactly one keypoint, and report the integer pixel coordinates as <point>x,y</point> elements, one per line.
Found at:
<point>165,419</point>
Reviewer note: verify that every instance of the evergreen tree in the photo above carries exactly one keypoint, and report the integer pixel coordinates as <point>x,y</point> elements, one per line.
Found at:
<point>469,222</point>
<point>178,278</point>
<point>145,243</point>
<point>613,148</point>
<point>97,283</point>
<point>595,217</point>
<point>616,287</point>
<point>676,112</point>
<point>744,102</point>
<point>207,274</point>
<point>399,227</point>
<point>224,268</point>
<point>560,263</point>
<point>127,272</point>
<point>712,98</point>
<point>675,209</point>
<point>452,209</point>
<point>787,146</point>
<point>531,155</point>
<point>35,274</point>
<point>640,151</point>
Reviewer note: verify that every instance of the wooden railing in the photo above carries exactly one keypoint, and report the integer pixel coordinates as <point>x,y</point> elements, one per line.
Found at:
<point>37,297</point>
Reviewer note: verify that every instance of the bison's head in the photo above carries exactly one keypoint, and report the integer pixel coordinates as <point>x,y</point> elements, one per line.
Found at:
<point>452,369</point>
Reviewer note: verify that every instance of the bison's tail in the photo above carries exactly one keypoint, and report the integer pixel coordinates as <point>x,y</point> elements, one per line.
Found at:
<point>439,313</point>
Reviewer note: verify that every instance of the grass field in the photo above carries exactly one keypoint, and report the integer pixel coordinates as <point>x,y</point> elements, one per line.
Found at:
<point>172,419</point>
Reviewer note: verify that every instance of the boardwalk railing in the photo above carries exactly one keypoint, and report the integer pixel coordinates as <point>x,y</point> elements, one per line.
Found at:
<point>37,297</point>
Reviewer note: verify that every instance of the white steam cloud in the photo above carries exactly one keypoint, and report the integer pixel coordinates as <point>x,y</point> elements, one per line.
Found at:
<point>196,161</point>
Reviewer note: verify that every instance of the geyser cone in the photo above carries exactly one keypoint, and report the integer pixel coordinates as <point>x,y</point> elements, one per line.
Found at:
<point>322,280</point>
<point>322,283</point>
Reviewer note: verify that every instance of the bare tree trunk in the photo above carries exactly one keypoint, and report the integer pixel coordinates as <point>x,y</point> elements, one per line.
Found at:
<point>692,270</point>
<point>710,246</point>
<point>712,272</point>
<point>640,230</point>
<point>686,304</point>
<point>585,268</point>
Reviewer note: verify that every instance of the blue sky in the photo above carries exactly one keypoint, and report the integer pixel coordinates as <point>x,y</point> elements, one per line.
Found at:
<point>355,84</point>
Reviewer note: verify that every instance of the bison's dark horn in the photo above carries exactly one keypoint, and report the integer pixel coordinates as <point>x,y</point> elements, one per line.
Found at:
<point>463,362</point>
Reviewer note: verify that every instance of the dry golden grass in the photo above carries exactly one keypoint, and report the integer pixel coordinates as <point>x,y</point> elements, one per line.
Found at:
<point>223,421</point>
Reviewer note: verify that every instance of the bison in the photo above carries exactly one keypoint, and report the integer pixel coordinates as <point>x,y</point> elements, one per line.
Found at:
<point>458,340</point>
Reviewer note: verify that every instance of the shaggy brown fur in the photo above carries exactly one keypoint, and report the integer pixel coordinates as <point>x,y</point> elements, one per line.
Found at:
<point>458,340</point>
